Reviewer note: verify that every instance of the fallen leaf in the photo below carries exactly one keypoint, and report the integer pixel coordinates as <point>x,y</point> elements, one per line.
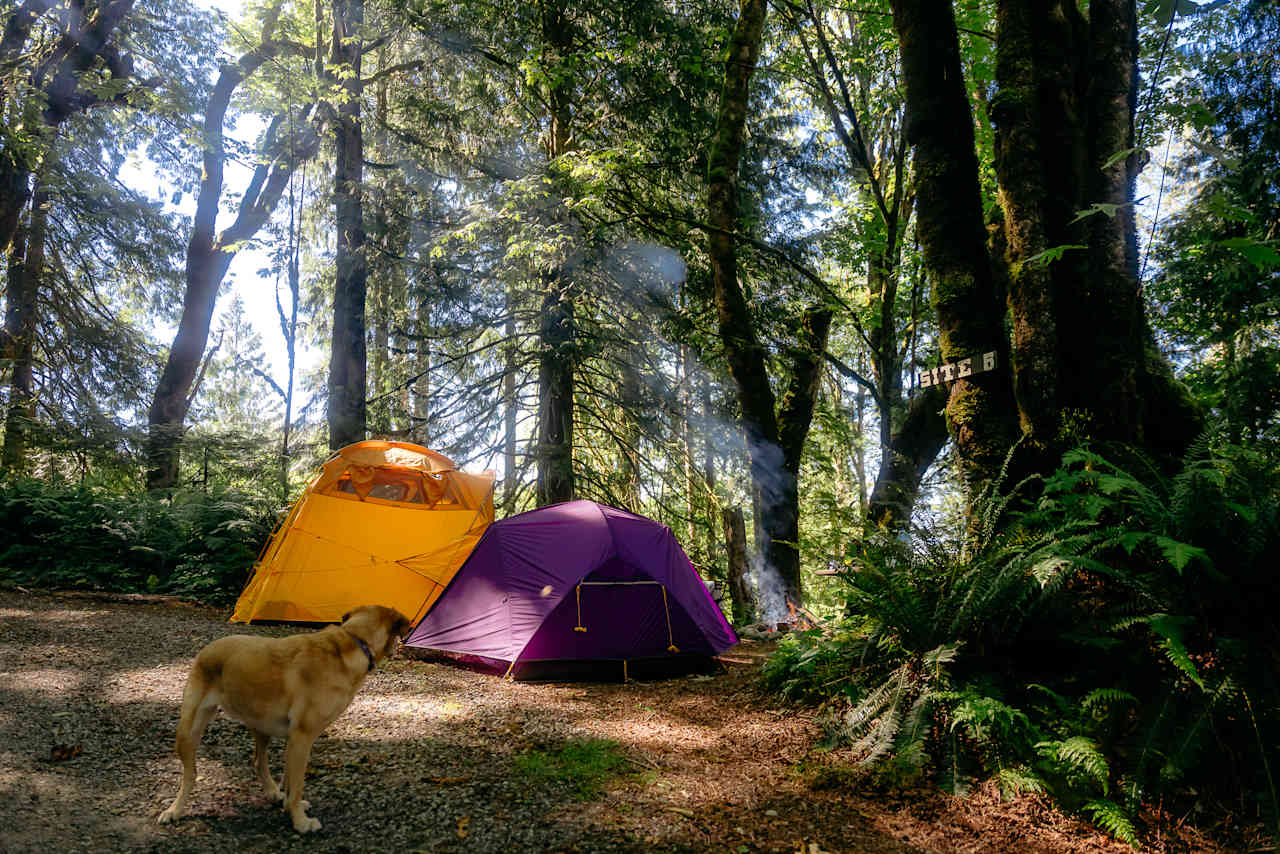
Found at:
<point>63,752</point>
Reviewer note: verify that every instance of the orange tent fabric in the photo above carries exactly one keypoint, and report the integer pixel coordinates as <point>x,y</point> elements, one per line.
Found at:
<point>382,523</point>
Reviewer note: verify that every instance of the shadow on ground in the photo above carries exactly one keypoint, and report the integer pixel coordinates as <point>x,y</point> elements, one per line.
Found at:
<point>425,759</point>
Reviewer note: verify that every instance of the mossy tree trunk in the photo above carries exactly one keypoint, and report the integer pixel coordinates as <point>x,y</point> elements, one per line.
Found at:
<point>1080,363</point>
<point>949,221</point>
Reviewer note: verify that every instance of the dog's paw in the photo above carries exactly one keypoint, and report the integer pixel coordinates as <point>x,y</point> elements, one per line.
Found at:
<point>168,816</point>
<point>306,824</point>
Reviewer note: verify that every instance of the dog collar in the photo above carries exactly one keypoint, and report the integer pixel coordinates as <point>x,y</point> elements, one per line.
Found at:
<point>364,647</point>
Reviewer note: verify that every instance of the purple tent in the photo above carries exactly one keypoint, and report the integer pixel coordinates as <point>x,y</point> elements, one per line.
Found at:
<point>579,582</point>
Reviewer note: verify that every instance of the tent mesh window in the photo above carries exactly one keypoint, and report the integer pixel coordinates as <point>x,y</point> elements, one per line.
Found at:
<point>399,486</point>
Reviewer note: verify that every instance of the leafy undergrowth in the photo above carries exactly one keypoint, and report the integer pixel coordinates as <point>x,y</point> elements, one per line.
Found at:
<point>192,543</point>
<point>1098,639</point>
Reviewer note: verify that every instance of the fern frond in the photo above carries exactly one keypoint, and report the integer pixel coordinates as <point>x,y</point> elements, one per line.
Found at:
<point>1169,628</point>
<point>1079,756</point>
<point>1101,698</point>
<point>1019,780</point>
<point>1112,818</point>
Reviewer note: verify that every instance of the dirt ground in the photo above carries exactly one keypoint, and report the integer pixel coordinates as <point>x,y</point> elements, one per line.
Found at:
<point>427,758</point>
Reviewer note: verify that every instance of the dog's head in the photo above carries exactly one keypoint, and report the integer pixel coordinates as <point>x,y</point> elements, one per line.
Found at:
<point>381,627</point>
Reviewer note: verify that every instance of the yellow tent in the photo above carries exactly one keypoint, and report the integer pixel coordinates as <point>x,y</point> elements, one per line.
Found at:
<point>382,523</point>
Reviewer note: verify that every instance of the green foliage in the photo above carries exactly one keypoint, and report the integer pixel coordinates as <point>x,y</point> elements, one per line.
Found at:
<point>1112,818</point>
<point>195,544</point>
<point>1215,288</point>
<point>812,665</point>
<point>581,767</point>
<point>1103,638</point>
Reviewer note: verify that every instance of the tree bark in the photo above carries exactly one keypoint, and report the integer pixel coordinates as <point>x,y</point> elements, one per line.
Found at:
<point>949,221</point>
<point>912,449</point>
<point>555,393</point>
<point>557,354</point>
<point>1083,365</point>
<point>26,270</point>
<point>56,76</point>
<point>347,359</point>
<point>510,406</point>
<point>1116,316</point>
<point>735,541</point>
<point>209,254</point>
<point>289,331</point>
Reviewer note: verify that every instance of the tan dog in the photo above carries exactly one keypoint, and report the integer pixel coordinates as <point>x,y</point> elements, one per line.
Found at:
<point>290,688</point>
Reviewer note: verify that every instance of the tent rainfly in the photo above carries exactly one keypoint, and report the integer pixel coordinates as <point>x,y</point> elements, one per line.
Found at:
<point>385,523</point>
<point>575,582</point>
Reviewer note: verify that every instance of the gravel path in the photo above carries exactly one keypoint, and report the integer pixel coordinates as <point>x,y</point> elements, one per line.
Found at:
<point>428,758</point>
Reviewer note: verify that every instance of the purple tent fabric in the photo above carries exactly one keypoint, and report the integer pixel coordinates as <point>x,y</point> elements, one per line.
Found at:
<point>575,581</point>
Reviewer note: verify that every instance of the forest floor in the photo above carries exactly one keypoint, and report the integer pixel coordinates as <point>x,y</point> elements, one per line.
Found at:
<point>433,757</point>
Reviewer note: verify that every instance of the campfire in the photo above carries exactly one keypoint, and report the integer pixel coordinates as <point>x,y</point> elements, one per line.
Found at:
<point>798,619</point>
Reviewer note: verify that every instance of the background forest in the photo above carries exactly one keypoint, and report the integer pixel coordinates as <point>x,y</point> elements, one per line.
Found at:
<point>735,266</point>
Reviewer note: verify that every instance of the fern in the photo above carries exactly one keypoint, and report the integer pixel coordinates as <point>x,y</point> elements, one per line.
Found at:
<point>1101,699</point>
<point>1019,780</point>
<point>1079,756</point>
<point>1051,646</point>
<point>1112,818</point>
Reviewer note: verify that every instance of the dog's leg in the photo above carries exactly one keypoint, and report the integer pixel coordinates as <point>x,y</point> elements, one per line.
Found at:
<point>260,742</point>
<point>296,754</point>
<point>198,708</point>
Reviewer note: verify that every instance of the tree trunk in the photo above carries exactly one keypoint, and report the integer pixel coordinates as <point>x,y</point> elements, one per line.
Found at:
<point>26,270</point>
<point>735,541</point>
<point>209,254</point>
<point>1113,389</point>
<point>557,358</point>
<point>691,487</point>
<point>913,448</point>
<point>82,45</point>
<point>949,222</point>
<point>289,331</point>
<point>347,363</point>
<point>510,407</point>
<point>628,434</point>
<point>381,418</point>
<point>774,442</point>
<point>1083,364</point>
<point>15,190</point>
<point>206,267</point>
<point>555,394</point>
